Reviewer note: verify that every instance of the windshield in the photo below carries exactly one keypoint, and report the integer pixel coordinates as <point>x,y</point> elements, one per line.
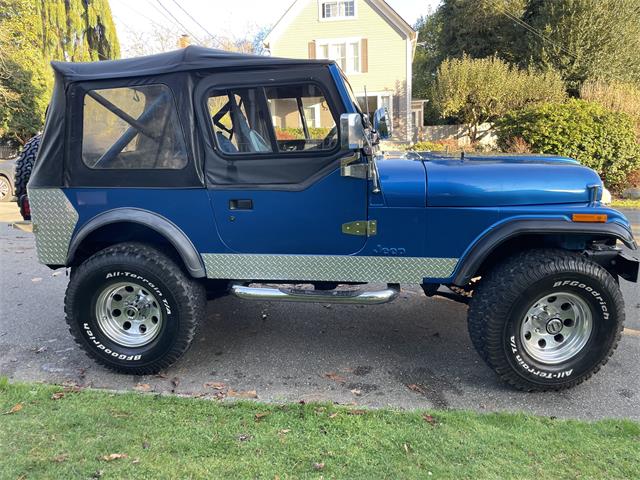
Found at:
<point>352,96</point>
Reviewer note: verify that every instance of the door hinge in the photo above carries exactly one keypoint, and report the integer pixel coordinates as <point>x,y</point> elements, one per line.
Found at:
<point>367,228</point>
<point>348,167</point>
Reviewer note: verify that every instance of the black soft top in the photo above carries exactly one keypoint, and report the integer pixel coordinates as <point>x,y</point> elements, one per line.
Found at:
<point>183,60</point>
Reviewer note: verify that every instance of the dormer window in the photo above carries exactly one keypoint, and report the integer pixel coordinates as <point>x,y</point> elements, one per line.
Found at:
<point>337,9</point>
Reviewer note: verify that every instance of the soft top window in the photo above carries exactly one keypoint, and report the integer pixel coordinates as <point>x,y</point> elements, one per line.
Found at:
<point>132,128</point>
<point>265,120</point>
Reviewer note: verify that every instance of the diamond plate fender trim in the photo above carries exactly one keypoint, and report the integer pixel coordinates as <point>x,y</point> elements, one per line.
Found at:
<point>54,220</point>
<point>327,268</point>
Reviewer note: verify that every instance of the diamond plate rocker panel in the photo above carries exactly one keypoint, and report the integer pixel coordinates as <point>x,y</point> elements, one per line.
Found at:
<point>327,268</point>
<point>54,220</point>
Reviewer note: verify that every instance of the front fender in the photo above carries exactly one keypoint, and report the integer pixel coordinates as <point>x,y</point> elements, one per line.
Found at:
<point>472,259</point>
<point>158,223</point>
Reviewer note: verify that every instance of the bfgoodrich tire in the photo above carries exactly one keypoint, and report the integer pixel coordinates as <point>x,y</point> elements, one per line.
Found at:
<point>546,319</point>
<point>132,309</point>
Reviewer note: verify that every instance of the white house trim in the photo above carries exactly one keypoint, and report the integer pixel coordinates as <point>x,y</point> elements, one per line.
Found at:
<point>283,23</point>
<point>347,41</point>
<point>336,19</point>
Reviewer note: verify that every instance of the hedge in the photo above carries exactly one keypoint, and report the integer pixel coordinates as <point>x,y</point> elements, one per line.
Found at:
<point>599,138</point>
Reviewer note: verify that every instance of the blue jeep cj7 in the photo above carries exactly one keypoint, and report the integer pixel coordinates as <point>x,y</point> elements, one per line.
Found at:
<point>167,180</point>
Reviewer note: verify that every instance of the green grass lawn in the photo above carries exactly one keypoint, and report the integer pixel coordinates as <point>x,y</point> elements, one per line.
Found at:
<point>91,434</point>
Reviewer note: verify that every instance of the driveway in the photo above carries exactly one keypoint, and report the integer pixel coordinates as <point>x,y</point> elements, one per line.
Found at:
<point>412,353</point>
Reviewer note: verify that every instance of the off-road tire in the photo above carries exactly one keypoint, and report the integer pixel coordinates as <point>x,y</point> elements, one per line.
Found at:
<point>505,294</point>
<point>24,165</point>
<point>182,300</point>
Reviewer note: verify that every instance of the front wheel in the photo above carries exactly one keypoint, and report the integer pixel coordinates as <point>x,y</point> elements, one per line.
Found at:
<point>132,309</point>
<point>546,319</point>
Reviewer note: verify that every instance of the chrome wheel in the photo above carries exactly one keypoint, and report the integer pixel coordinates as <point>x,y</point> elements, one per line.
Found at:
<point>128,314</point>
<point>556,327</point>
<point>5,189</point>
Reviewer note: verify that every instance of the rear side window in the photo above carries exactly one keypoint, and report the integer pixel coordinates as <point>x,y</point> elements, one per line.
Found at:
<point>132,128</point>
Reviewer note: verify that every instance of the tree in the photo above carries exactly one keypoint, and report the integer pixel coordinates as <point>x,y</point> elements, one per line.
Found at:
<point>475,91</point>
<point>34,32</point>
<point>479,28</point>
<point>583,39</point>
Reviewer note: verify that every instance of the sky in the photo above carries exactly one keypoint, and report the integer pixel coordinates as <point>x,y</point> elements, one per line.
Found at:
<point>231,19</point>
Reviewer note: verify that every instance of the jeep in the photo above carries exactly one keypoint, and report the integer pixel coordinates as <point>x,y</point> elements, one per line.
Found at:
<point>165,181</point>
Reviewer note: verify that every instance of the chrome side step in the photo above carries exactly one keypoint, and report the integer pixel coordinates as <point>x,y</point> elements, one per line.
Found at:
<point>299,295</point>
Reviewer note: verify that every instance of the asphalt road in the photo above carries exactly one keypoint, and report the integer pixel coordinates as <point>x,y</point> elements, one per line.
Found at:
<point>292,352</point>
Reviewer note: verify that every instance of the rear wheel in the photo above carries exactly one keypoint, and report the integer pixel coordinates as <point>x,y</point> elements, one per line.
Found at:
<point>133,309</point>
<point>6,192</point>
<point>546,319</point>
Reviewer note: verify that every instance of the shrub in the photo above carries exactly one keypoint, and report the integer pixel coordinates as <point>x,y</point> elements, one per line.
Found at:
<point>426,146</point>
<point>616,96</point>
<point>476,91</point>
<point>598,138</point>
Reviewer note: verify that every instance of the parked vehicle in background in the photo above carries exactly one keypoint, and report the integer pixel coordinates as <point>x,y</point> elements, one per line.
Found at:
<point>166,180</point>
<point>7,173</point>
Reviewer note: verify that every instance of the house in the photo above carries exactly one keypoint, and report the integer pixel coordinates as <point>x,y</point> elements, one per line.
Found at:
<point>372,44</point>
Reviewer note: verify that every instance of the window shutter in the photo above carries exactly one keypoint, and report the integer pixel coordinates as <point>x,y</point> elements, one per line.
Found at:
<point>312,50</point>
<point>364,55</point>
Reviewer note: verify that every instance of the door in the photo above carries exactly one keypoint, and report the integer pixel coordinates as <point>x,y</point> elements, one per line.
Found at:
<point>273,171</point>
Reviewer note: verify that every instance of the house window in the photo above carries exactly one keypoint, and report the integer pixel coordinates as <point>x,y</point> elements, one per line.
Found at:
<point>338,9</point>
<point>346,53</point>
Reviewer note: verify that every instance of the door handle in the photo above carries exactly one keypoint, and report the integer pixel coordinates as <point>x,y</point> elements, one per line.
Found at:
<point>241,204</point>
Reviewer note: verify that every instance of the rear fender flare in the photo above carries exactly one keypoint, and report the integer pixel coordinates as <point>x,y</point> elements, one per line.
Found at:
<point>172,233</point>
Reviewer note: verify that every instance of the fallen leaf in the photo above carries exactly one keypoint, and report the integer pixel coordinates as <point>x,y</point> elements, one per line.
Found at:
<point>215,385</point>
<point>114,456</point>
<point>240,394</point>
<point>356,412</point>
<point>136,461</point>
<point>318,466</point>
<point>429,419</point>
<point>284,431</point>
<point>57,395</point>
<point>61,458</point>
<point>142,387</point>
<point>356,392</point>
<point>406,448</point>
<point>175,381</point>
<point>335,377</point>
<point>417,388</point>
<point>259,416</point>
<point>16,408</point>
<point>333,415</point>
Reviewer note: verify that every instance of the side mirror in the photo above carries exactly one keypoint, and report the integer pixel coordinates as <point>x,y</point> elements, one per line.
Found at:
<point>382,123</point>
<point>352,134</point>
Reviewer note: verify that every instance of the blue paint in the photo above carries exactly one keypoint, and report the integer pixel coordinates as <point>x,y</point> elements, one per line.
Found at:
<point>404,183</point>
<point>506,182</point>
<point>294,222</point>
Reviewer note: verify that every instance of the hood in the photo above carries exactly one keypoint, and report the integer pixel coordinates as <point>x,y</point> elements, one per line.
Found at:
<point>494,181</point>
